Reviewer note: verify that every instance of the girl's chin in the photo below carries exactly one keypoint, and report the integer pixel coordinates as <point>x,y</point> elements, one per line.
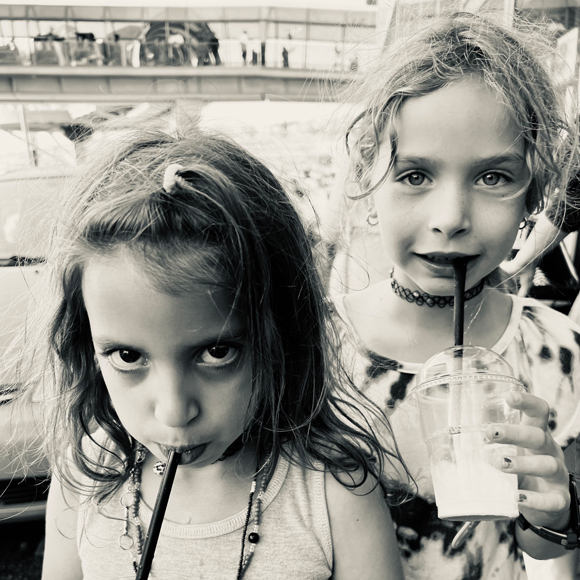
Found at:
<point>437,285</point>
<point>427,285</point>
<point>193,455</point>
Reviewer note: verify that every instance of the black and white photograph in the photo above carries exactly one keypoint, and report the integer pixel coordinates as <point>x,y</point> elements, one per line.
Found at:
<point>289,289</point>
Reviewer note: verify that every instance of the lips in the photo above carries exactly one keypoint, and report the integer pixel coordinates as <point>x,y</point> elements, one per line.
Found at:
<point>188,454</point>
<point>440,264</point>
<point>445,259</point>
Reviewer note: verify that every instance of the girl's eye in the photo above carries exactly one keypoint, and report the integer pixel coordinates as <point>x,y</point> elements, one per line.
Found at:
<point>126,360</point>
<point>219,355</point>
<point>129,356</point>
<point>414,179</point>
<point>492,178</point>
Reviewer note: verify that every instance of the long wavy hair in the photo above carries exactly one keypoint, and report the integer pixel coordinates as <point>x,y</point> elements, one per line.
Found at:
<point>226,221</point>
<point>517,62</point>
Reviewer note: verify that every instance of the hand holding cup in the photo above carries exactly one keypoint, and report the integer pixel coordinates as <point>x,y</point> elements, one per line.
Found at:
<point>543,495</point>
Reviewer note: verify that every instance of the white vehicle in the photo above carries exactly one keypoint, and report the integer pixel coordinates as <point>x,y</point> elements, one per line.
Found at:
<point>25,215</point>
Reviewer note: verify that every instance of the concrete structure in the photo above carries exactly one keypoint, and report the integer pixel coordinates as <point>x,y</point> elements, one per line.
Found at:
<point>56,84</point>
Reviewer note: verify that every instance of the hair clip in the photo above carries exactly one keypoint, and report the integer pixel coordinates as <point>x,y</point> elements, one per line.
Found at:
<point>170,176</point>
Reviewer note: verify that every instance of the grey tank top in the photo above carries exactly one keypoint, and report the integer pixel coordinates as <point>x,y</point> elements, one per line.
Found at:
<point>295,540</point>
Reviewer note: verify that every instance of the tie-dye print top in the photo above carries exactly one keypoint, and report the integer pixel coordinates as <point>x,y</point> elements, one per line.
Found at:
<point>543,347</point>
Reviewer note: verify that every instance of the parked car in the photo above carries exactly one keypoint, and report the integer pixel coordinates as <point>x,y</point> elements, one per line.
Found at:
<point>26,210</point>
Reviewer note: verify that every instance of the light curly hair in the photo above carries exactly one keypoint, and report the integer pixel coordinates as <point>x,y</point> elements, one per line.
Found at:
<point>516,62</point>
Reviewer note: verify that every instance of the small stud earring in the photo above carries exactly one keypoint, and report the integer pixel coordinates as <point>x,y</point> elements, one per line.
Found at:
<point>524,224</point>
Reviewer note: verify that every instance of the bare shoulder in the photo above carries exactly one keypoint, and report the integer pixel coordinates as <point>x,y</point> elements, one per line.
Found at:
<point>363,535</point>
<point>61,559</point>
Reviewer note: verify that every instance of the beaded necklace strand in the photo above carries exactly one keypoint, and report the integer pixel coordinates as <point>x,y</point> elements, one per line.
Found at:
<point>131,498</point>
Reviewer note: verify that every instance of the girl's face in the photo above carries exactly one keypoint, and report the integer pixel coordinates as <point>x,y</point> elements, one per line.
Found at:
<point>175,366</point>
<point>459,162</point>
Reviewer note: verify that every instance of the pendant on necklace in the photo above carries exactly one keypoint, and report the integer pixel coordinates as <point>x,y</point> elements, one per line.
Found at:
<point>159,467</point>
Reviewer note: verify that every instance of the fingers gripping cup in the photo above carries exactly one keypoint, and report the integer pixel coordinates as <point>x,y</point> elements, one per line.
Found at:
<point>459,392</point>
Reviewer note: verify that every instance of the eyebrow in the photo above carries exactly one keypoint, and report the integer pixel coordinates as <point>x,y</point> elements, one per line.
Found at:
<point>502,159</point>
<point>507,158</point>
<point>105,343</point>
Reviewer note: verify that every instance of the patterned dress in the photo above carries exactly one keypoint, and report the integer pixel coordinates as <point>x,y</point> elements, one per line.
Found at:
<point>543,348</point>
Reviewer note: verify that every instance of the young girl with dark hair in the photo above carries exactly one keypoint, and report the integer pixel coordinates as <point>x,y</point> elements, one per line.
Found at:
<point>188,316</point>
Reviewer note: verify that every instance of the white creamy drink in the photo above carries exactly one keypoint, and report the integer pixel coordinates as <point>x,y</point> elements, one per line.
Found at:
<point>468,487</point>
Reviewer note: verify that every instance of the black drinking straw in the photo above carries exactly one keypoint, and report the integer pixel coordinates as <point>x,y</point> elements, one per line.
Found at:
<point>157,517</point>
<point>460,265</point>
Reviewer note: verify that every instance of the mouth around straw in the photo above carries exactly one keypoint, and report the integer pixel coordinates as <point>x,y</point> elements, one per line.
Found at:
<point>460,266</point>
<point>157,517</point>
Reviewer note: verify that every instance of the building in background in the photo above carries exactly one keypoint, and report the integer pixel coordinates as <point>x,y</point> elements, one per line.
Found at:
<point>69,58</point>
<point>156,50</point>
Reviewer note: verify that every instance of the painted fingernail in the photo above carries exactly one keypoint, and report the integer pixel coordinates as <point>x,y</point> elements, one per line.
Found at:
<point>522,498</point>
<point>507,463</point>
<point>497,434</point>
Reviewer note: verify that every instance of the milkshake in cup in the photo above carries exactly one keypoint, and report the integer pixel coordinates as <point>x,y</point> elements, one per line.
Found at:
<point>459,392</point>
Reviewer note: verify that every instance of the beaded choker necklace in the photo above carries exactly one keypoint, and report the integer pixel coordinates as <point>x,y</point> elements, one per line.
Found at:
<point>423,298</point>
<point>131,498</point>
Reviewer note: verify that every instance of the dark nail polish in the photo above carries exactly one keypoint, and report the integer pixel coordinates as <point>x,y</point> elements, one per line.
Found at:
<point>522,498</point>
<point>496,434</point>
<point>507,462</point>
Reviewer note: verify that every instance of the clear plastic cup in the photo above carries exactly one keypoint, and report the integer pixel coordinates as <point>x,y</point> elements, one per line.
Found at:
<point>459,392</point>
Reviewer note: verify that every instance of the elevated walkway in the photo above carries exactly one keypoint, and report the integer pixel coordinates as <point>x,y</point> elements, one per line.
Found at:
<point>109,84</point>
<point>163,51</point>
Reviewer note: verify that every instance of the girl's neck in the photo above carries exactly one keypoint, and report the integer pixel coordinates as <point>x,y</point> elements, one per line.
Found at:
<point>405,331</point>
<point>206,494</point>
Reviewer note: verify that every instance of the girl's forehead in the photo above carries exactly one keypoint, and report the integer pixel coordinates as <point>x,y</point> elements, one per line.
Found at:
<point>462,127</point>
<point>124,308</point>
<point>164,272</point>
<point>459,101</point>
<point>464,115</point>
<point>124,274</point>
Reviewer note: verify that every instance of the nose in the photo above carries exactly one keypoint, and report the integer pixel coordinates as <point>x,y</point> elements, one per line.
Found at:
<point>450,210</point>
<point>176,400</point>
